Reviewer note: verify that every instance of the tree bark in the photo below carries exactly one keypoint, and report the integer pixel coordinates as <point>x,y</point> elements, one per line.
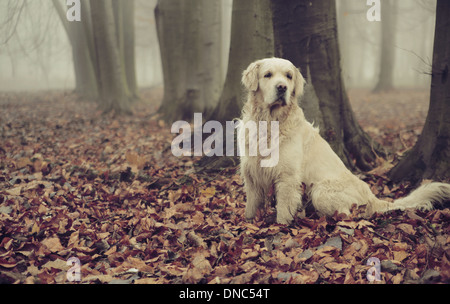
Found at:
<point>387,58</point>
<point>114,93</point>
<point>306,34</point>
<point>85,76</point>
<point>211,51</point>
<point>124,23</point>
<point>169,25</point>
<point>189,39</point>
<point>129,48</point>
<point>251,39</point>
<point>430,157</point>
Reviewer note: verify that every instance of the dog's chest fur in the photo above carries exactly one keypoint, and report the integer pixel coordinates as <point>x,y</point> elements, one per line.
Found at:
<point>289,128</point>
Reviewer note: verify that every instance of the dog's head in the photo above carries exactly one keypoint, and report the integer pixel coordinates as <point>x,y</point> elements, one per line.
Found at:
<point>278,80</point>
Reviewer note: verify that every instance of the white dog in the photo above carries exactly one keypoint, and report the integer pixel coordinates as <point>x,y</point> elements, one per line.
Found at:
<point>274,86</point>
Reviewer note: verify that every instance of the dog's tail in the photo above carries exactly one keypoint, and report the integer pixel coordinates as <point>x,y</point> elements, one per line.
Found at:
<point>422,198</point>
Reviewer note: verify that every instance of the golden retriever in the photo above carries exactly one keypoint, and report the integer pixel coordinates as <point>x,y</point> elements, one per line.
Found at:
<point>274,86</point>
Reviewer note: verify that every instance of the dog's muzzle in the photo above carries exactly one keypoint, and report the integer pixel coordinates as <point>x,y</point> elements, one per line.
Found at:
<point>281,95</point>
<point>281,89</point>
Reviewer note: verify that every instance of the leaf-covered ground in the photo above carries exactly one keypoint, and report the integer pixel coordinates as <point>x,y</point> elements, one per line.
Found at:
<point>106,190</point>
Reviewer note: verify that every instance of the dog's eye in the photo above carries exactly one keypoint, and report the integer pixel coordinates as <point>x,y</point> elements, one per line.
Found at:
<point>289,76</point>
<point>268,75</point>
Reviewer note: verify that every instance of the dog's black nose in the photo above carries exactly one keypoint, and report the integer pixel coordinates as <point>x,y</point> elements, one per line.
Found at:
<point>281,88</point>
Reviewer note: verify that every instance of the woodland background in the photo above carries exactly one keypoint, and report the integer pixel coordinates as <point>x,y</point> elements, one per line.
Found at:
<point>85,164</point>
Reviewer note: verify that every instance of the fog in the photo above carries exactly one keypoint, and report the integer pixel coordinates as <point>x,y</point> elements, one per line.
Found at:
<point>35,53</point>
<point>412,29</point>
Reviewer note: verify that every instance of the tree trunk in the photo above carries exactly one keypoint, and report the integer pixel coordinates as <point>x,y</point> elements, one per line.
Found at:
<point>169,25</point>
<point>251,39</point>
<point>114,93</point>
<point>430,157</point>
<point>210,49</point>
<point>306,34</point>
<point>124,24</point>
<point>89,34</point>
<point>189,39</point>
<point>129,48</point>
<point>85,77</point>
<point>387,59</point>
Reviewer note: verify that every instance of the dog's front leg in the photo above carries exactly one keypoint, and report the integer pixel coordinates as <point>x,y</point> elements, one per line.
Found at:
<point>255,198</point>
<point>289,199</point>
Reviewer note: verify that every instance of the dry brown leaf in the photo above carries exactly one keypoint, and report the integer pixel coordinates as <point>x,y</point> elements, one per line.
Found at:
<point>400,255</point>
<point>53,244</point>
<point>208,192</point>
<point>23,162</point>
<point>407,228</point>
<point>14,191</point>
<point>135,161</point>
<point>57,264</point>
<point>200,267</point>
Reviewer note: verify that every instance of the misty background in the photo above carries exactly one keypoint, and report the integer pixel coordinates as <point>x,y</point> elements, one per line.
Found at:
<point>35,53</point>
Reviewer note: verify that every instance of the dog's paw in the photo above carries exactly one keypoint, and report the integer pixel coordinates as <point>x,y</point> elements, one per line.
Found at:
<point>284,220</point>
<point>249,215</point>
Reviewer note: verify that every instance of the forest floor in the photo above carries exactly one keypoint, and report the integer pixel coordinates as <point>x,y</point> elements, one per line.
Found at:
<point>108,192</point>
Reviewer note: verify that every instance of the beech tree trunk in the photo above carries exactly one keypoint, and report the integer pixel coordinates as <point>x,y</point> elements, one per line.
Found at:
<point>387,54</point>
<point>306,34</point>
<point>85,76</point>
<point>124,24</point>
<point>129,48</point>
<point>251,39</point>
<point>190,41</point>
<point>103,52</point>
<point>114,93</point>
<point>430,157</point>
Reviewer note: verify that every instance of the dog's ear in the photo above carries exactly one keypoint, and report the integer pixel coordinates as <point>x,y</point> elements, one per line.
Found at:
<point>299,83</point>
<point>250,76</point>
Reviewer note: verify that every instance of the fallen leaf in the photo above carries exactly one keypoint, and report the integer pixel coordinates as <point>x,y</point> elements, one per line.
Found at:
<point>200,267</point>
<point>333,266</point>
<point>53,244</point>
<point>135,161</point>
<point>14,191</point>
<point>23,162</point>
<point>35,228</point>
<point>400,255</point>
<point>407,228</point>
<point>74,239</point>
<point>397,279</point>
<point>208,192</point>
<point>7,264</point>
<point>57,264</point>
<point>102,278</point>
